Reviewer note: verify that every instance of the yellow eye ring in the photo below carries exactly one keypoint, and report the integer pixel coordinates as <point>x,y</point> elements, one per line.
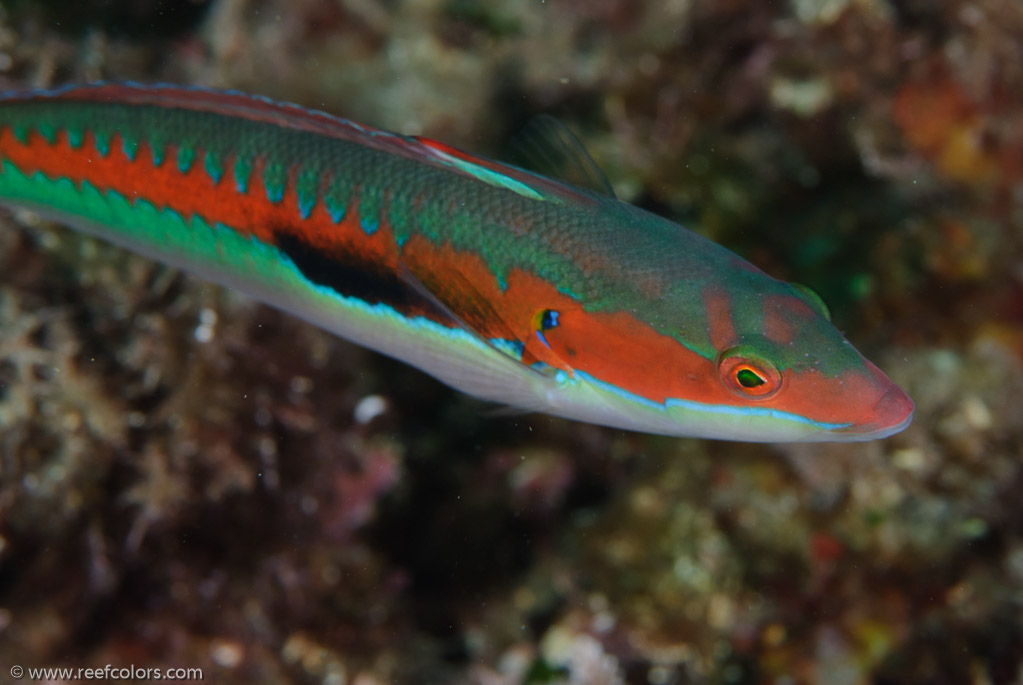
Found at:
<point>747,374</point>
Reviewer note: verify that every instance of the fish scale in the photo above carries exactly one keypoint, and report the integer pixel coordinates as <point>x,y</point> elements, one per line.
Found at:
<point>509,285</point>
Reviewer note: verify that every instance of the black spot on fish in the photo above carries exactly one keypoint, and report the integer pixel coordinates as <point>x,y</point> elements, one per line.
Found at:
<point>348,275</point>
<point>548,319</point>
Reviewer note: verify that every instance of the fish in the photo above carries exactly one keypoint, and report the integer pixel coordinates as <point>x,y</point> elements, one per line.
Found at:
<point>509,285</point>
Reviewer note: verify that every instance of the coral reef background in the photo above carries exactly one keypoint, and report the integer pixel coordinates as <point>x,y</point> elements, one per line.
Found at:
<point>190,479</point>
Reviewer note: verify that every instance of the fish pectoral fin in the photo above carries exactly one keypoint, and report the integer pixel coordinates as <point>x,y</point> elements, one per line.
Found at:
<point>510,347</point>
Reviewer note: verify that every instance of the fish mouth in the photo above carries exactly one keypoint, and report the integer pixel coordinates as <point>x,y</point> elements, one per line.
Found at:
<point>891,414</point>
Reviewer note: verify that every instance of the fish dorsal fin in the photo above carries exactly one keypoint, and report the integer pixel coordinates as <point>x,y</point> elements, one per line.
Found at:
<point>811,297</point>
<point>285,115</point>
<point>548,147</point>
<point>491,173</point>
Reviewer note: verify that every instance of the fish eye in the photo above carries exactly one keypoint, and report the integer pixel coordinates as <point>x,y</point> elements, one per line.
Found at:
<point>747,374</point>
<point>748,378</point>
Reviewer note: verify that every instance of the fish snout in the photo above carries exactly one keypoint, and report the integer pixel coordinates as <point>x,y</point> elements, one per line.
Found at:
<point>891,414</point>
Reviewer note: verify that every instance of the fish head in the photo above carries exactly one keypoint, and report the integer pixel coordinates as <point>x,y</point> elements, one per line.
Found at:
<point>788,365</point>
<point>765,364</point>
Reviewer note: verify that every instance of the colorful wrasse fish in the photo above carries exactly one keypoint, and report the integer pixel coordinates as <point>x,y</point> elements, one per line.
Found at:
<point>505,284</point>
